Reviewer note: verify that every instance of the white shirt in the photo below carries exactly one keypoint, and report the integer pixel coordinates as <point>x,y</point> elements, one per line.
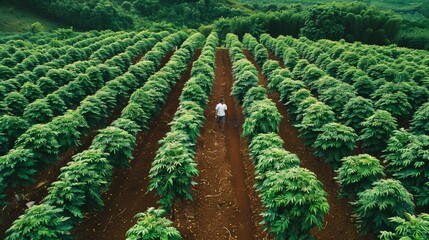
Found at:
<point>220,109</point>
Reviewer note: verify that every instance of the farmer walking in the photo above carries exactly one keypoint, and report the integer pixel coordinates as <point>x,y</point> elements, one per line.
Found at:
<point>220,114</point>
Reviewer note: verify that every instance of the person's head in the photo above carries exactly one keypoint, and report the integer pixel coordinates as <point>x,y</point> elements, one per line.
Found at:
<point>221,100</point>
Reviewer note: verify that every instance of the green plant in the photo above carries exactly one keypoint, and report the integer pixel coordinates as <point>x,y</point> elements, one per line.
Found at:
<point>356,111</point>
<point>396,104</point>
<point>273,159</point>
<point>242,84</point>
<point>172,170</point>
<point>337,97</point>
<point>295,201</point>
<point>134,112</point>
<point>152,225</point>
<point>17,167</point>
<point>38,111</point>
<point>385,199</point>
<point>420,121</point>
<point>408,227</point>
<point>118,143</point>
<point>254,94</point>
<point>31,91</point>
<point>40,222</point>
<point>364,86</point>
<point>80,185</point>
<point>11,127</point>
<point>334,142</point>
<point>316,115</point>
<point>357,173</point>
<point>263,118</point>
<point>376,131</point>
<point>41,140</point>
<point>15,103</point>
<point>69,128</point>
<point>407,160</point>
<point>287,87</point>
<point>264,141</point>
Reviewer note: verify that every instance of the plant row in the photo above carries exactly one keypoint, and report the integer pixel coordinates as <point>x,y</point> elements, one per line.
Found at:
<point>293,197</point>
<point>378,130</point>
<point>388,88</point>
<point>374,199</point>
<point>174,166</point>
<point>77,87</point>
<point>33,70</point>
<point>37,60</point>
<point>41,145</point>
<point>51,76</point>
<point>82,182</point>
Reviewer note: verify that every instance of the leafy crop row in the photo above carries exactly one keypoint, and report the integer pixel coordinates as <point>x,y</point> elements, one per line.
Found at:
<point>293,197</point>
<point>376,200</point>
<point>41,144</point>
<point>174,165</point>
<point>83,180</point>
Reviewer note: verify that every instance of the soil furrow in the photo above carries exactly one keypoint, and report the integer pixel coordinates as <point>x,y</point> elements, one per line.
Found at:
<point>225,205</point>
<point>338,222</point>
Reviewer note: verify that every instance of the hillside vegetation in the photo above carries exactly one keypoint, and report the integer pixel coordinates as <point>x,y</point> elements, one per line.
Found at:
<point>373,22</point>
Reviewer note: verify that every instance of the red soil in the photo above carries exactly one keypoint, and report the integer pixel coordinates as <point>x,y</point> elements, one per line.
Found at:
<point>225,206</point>
<point>338,223</point>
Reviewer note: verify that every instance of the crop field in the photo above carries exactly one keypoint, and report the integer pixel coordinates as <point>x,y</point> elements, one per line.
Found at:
<point>114,135</point>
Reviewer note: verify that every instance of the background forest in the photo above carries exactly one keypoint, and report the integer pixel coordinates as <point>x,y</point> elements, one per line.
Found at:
<point>405,23</point>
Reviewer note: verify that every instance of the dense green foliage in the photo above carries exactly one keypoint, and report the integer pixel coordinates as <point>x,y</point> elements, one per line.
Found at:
<point>408,227</point>
<point>152,225</point>
<point>385,199</point>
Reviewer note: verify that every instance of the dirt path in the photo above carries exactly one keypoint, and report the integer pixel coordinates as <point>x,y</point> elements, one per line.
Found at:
<point>338,223</point>
<point>128,195</point>
<point>223,199</point>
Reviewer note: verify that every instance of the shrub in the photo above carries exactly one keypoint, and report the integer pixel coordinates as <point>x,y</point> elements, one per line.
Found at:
<point>373,208</point>
<point>152,225</point>
<point>38,112</point>
<point>242,84</point>
<point>80,185</point>
<point>420,121</point>
<point>334,142</point>
<point>171,172</point>
<point>295,201</point>
<point>357,173</point>
<point>118,143</point>
<point>356,111</point>
<point>376,130</point>
<point>263,118</point>
<point>41,222</point>
<point>264,141</point>
<point>337,97</point>
<point>408,227</point>
<point>407,160</point>
<point>31,91</point>
<point>56,104</point>
<point>364,86</point>
<point>316,115</point>
<point>15,103</point>
<point>396,104</point>
<point>17,167</point>
<point>287,87</point>
<point>134,112</point>
<point>41,140</point>
<point>69,128</point>
<point>11,127</point>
